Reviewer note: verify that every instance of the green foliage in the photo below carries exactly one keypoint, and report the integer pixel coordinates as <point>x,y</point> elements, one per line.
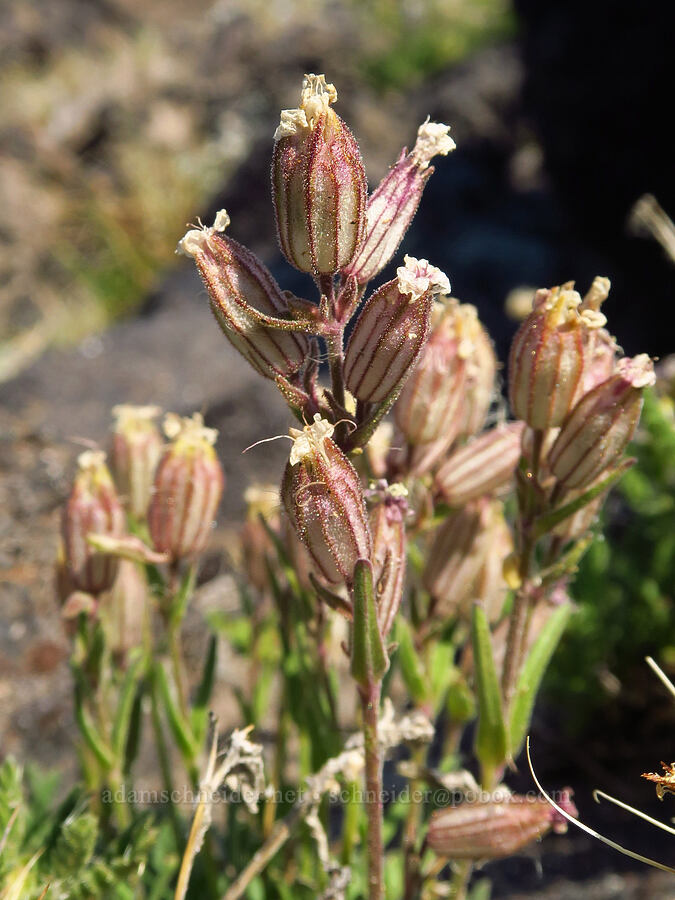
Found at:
<point>491,741</point>
<point>66,846</point>
<point>625,583</point>
<point>406,47</point>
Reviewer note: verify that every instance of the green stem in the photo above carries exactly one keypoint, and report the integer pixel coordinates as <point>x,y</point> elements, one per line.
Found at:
<point>517,626</point>
<point>334,345</point>
<point>460,879</point>
<point>165,763</point>
<point>411,833</point>
<point>350,825</point>
<point>370,706</point>
<point>178,667</point>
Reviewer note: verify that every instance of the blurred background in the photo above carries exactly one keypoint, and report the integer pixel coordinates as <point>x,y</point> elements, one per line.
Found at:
<point>121,121</point>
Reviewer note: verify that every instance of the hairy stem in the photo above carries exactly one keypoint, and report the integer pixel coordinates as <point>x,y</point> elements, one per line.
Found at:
<point>370,705</point>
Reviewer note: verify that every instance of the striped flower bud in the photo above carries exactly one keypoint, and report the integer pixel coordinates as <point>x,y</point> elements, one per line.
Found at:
<point>318,183</point>
<point>91,508</point>
<point>188,485</point>
<point>123,610</point>
<point>549,355</point>
<point>490,586</point>
<point>394,201</point>
<point>491,829</point>
<point>602,423</point>
<point>323,498</point>
<point>430,411</point>
<point>481,466</point>
<point>481,372</point>
<point>136,449</point>
<point>456,559</point>
<point>391,331</point>
<point>387,527</point>
<point>248,304</point>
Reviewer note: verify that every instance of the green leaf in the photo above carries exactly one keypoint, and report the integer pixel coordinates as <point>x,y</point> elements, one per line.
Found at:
<point>180,602</point>
<point>412,669</point>
<point>369,658</point>
<point>334,601</point>
<point>90,734</point>
<point>491,741</point>
<point>460,702</point>
<point>200,709</point>
<point>74,845</point>
<point>532,673</point>
<point>134,731</point>
<point>547,522</point>
<point>127,694</point>
<point>179,727</point>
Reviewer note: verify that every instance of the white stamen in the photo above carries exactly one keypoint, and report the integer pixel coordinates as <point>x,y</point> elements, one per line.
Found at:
<point>310,439</point>
<point>433,139</point>
<point>196,240</point>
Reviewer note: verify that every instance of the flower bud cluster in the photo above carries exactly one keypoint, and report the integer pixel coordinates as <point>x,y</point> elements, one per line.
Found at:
<point>567,382</point>
<point>449,392</point>
<point>328,227</point>
<point>173,488</point>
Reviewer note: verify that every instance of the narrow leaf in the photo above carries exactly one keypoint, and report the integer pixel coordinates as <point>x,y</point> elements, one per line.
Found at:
<point>200,709</point>
<point>90,734</point>
<point>491,740</point>
<point>180,601</point>
<point>532,673</point>
<point>547,522</point>
<point>134,731</point>
<point>412,669</point>
<point>369,658</point>
<point>177,723</point>
<point>334,601</point>
<point>124,707</point>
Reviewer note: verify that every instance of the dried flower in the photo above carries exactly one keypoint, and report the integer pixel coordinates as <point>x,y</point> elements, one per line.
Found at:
<point>187,489</point>
<point>602,423</point>
<point>248,304</point>
<point>392,330</point>
<point>323,497</point>
<point>548,356</point>
<point>136,449</point>
<point>491,829</point>
<point>393,203</point>
<point>92,508</point>
<point>318,183</point>
<point>665,784</point>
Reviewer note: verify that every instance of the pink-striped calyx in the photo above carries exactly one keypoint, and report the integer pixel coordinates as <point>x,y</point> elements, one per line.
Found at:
<point>394,201</point>
<point>323,497</point>
<point>318,183</point>
<point>187,489</point>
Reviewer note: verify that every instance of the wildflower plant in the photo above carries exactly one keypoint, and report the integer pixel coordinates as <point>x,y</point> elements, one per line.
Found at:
<point>388,588</point>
